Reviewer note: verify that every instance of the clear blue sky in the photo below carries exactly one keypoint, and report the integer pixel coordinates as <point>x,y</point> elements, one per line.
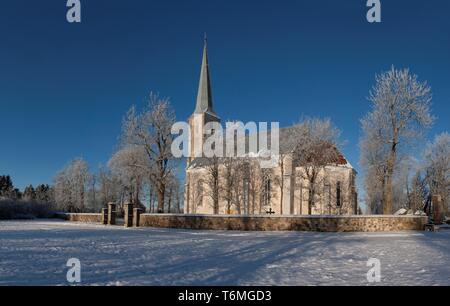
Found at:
<point>64,88</point>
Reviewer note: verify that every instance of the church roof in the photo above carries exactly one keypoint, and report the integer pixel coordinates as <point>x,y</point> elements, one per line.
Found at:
<point>204,96</point>
<point>285,146</point>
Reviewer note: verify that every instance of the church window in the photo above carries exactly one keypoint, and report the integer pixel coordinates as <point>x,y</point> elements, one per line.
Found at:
<point>200,193</point>
<point>267,192</point>
<point>338,194</point>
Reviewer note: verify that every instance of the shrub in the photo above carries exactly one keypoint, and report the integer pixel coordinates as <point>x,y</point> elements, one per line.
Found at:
<point>21,209</point>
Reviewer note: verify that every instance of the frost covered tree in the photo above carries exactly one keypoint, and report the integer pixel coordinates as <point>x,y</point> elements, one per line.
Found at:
<point>437,165</point>
<point>71,184</point>
<point>315,146</point>
<point>372,160</point>
<point>211,180</point>
<point>226,189</point>
<point>108,186</point>
<point>173,194</point>
<point>400,116</point>
<point>403,182</point>
<point>418,194</point>
<point>151,130</point>
<point>130,166</point>
<point>255,183</point>
<point>240,190</point>
<point>279,180</point>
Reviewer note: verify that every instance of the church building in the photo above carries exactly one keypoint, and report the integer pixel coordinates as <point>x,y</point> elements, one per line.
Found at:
<point>233,186</point>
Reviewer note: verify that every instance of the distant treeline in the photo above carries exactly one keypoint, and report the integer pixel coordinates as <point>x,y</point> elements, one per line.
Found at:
<point>27,204</point>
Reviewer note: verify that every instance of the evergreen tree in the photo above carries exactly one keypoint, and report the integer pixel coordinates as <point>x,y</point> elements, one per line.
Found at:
<point>6,186</point>
<point>43,193</point>
<point>29,193</point>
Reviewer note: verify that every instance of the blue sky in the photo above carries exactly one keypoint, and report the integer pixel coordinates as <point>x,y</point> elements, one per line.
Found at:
<point>64,88</point>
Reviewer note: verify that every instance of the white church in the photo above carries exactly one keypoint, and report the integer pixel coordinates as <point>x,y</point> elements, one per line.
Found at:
<point>233,186</point>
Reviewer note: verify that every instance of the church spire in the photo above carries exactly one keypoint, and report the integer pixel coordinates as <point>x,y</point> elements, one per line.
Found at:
<point>204,96</point>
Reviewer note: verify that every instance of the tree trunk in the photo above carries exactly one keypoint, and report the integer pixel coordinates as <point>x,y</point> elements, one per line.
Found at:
<point>387,197</point>
<point>82,200</point>
<point>150,200</point>
<point>253,203</point>
<point>238,207</point>
<point>311,196</point>
<point>216,194</point>
<point>169,202</point>
<point>388,191</point>
<point>161,191</point>
<point>281,195</point>
<point>310,203</point>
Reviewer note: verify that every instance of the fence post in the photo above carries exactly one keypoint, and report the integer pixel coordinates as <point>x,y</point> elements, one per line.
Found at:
<point>104,216</point>
<point>128,214</point>
<point>111,213</point>
<point>136,216</point>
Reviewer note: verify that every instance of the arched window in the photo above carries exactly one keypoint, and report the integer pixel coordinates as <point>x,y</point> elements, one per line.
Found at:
<point>267,191</point>
<point>199,193</point>
<point>338,194</point>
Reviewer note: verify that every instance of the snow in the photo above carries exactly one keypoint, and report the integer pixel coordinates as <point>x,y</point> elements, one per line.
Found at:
<point>36,252</point>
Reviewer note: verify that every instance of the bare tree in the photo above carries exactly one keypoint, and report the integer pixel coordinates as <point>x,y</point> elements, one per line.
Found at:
<point>437,165</point>
<point>109,186</point>
<point>418,194</point>
<point>151,130</point>
<point>71,185</point>
<point>256,179</point>
<point>315,147</point>
<point>373,158</point>
<point>212,182</point>
<point>279,180</point>
<point>241,186</point>
<point>197,194</point>
<point>173,194</point>
<point>130,166</point>
<point>400,115</point>
<point>226,189</point>
<point>402,183</point>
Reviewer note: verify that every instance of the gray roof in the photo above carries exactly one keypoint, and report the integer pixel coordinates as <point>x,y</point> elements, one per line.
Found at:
<point>286,146</point>
<point>204,96</point>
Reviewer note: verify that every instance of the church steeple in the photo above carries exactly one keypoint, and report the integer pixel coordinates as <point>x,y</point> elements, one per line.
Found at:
<point>204,96</point>
<point>204,111</point>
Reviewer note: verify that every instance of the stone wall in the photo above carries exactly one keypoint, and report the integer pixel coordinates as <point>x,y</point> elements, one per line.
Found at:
<point>376,223</point>
<point>286,223</point>
<point>86,218</point>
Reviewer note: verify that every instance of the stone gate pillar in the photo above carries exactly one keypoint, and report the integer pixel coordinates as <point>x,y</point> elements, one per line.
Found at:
<point>104,216</point>
<point>112,213</point>
<point>136,216</point>
<point>438,211</point>
<point>128,214</point>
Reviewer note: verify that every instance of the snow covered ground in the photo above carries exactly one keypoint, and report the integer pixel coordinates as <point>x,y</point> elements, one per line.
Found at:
<point>36,252</point>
